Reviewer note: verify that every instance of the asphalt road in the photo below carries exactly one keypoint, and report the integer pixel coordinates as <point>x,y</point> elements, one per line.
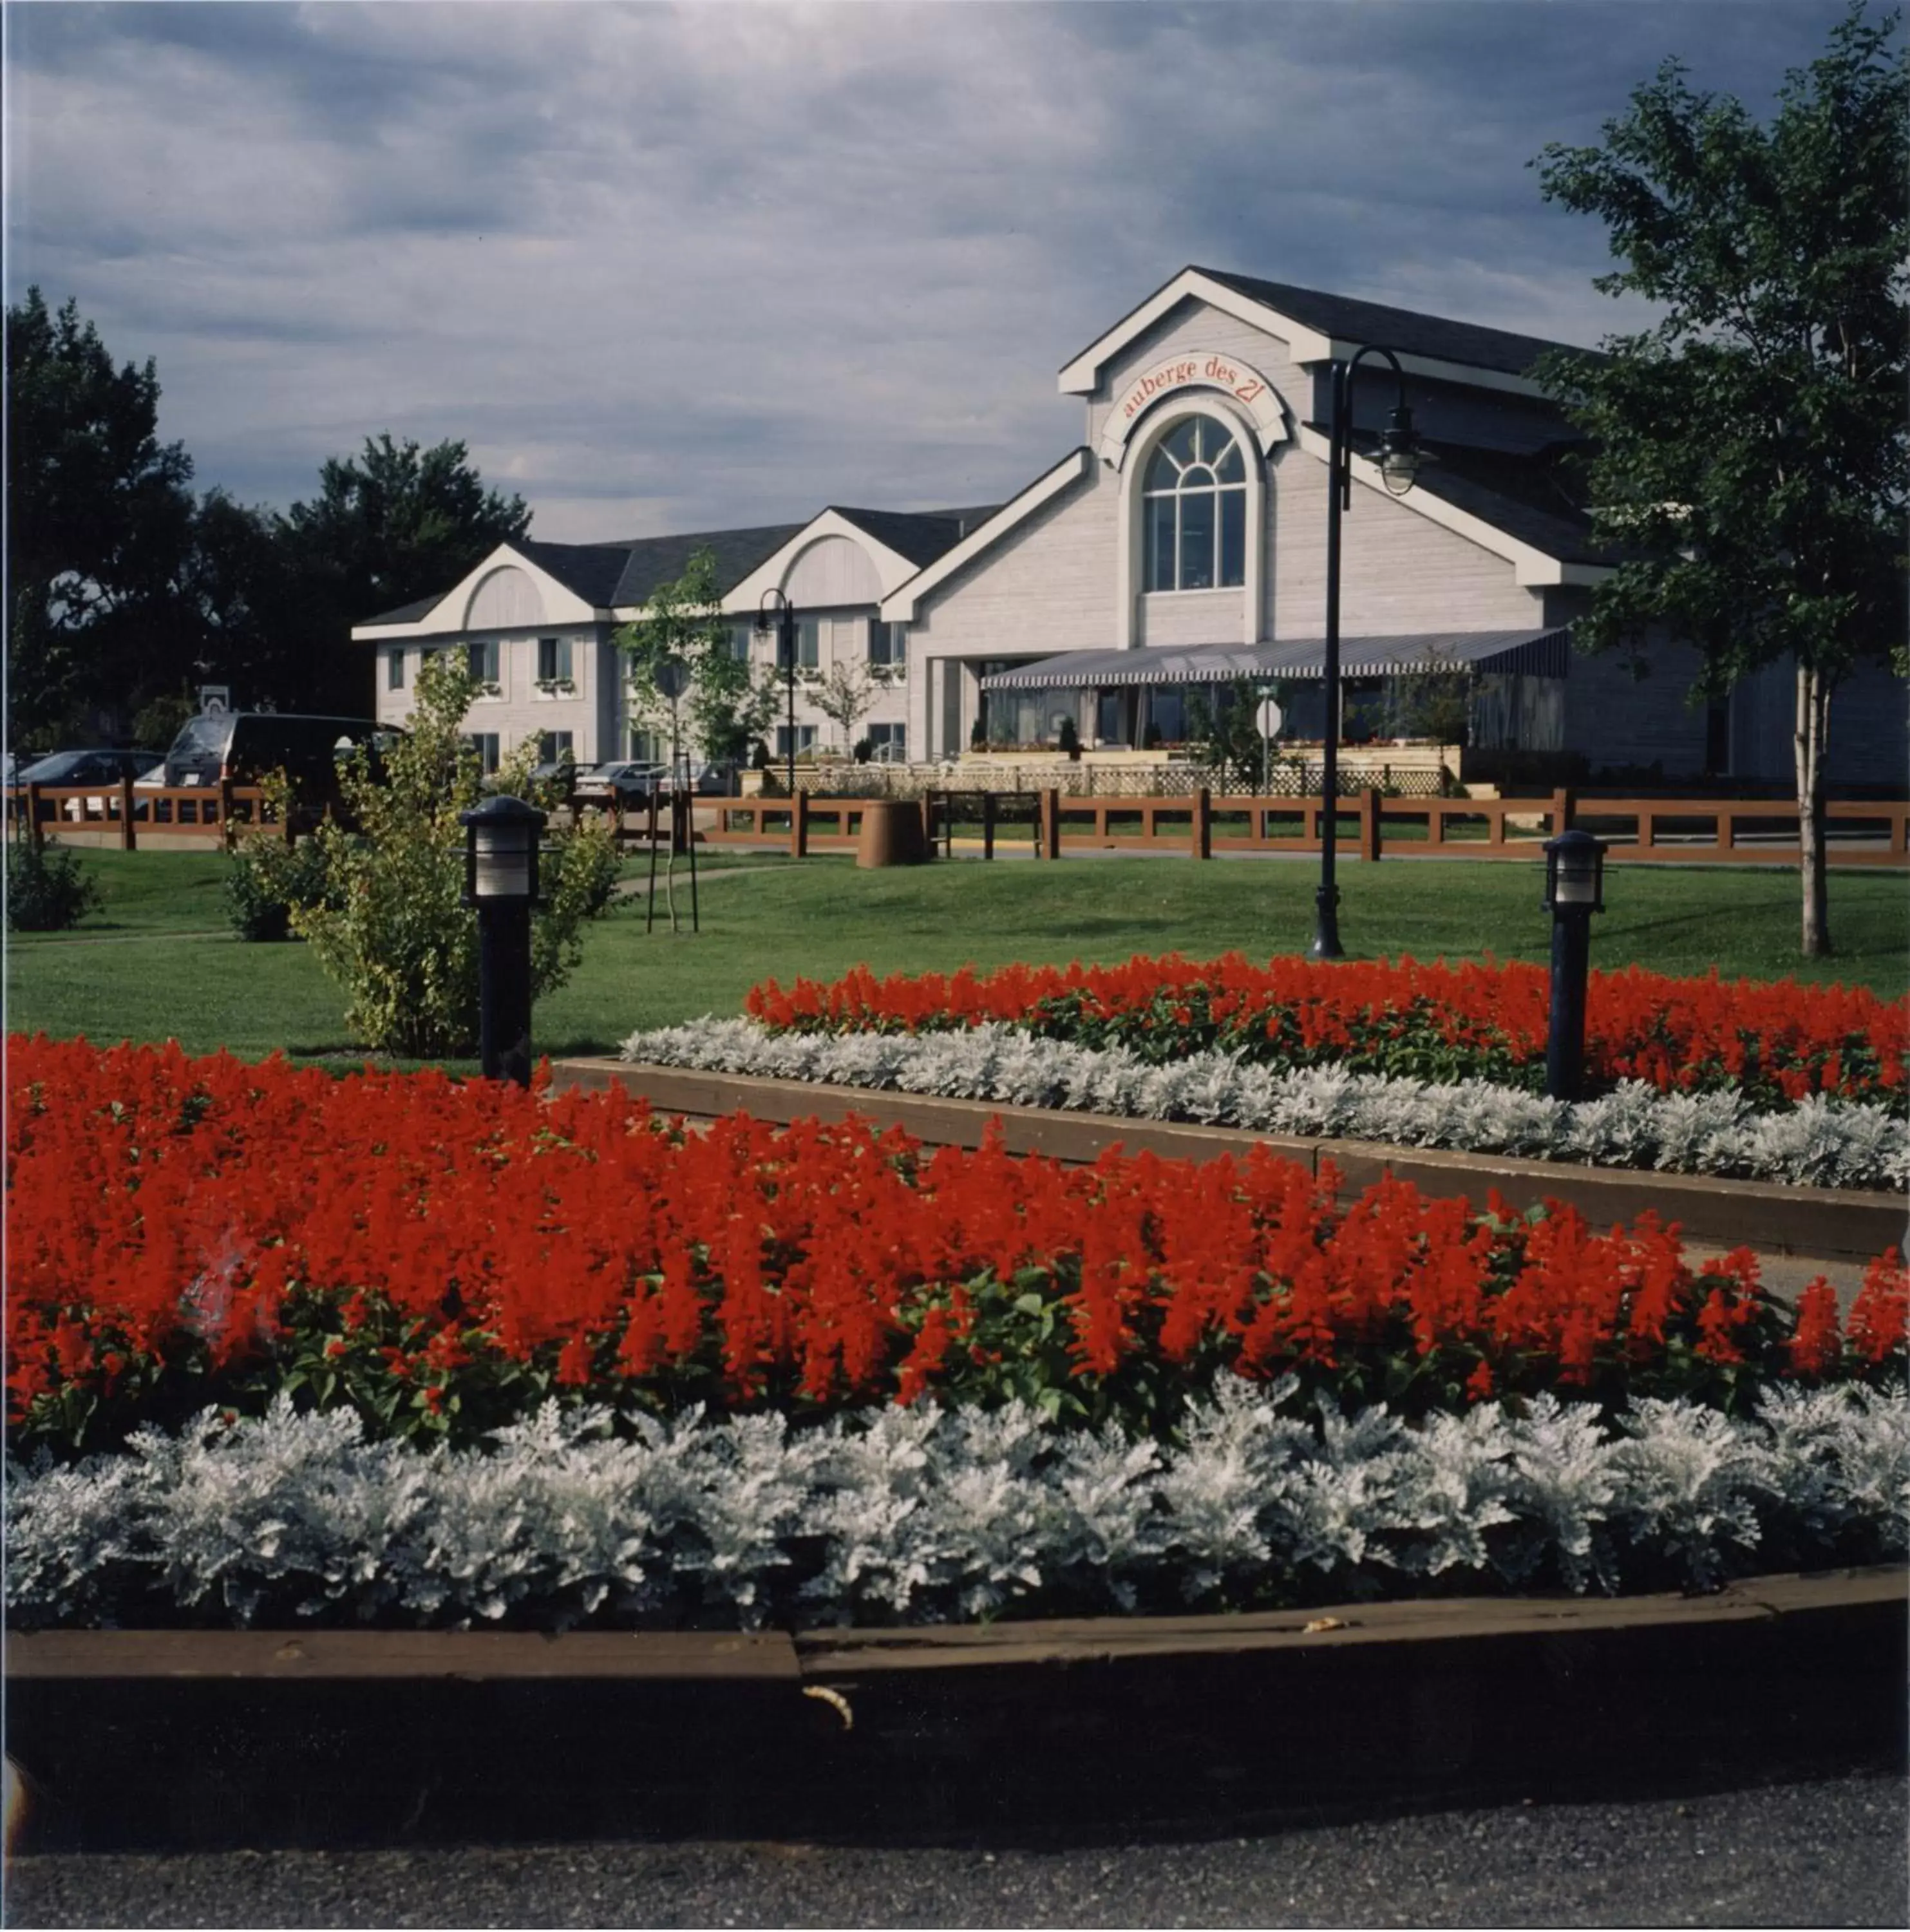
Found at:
<point>1832,1852</point>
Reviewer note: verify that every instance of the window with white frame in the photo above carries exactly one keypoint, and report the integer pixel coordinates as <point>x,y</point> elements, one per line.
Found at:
<point>481,655</point>
<point>805,739</point>
<point>648,748</point>
<point>556,748</point>
<point>1194,505</point>
<point>890,742</point>
<point>485,744</point>
<point>808,642</point>
<point>741,636</point>
<point>553,661</point>
<point>888,643</point>
<point>394,668</point>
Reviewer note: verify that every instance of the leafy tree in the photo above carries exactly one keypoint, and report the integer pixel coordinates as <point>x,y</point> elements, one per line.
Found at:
<point>1433,702</point>
<point>391,525</point>
<point>685,681</point>
<point>383,906</point>
<point>845,697</point>
<point>98,520</point>
<point>1750,457</point>
<point>1223,722</point>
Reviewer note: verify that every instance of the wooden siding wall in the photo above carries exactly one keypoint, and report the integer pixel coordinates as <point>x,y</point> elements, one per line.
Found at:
<point>1195,325</point>
<point>1048,585</point>
<point>508,596</point>
<point>1400,571</point>
<point>832,571</point>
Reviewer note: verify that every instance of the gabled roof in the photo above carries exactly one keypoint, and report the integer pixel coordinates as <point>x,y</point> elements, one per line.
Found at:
<point>650,561</point>
<point>1348,319</point>
<point>920,535</point>
<point>406,614</point>
<point>592,570</point>
<point>1316,327</point>
<point>1514,494</point>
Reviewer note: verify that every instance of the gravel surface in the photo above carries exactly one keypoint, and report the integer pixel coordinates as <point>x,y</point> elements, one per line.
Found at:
<point>1832,1852</point>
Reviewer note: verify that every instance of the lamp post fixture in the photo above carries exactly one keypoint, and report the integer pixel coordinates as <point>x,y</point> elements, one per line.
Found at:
<point>1575,889</point>
<point>1400,457</point>
<point>775,617</point>
<point>500,879</point>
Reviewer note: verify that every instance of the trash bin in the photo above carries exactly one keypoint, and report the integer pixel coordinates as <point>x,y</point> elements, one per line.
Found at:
<point>892,834</point>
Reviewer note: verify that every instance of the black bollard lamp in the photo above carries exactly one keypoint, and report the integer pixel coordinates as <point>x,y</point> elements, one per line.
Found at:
<point>1575,889</point>
<point>501,839</point>
<point>1575,873</point>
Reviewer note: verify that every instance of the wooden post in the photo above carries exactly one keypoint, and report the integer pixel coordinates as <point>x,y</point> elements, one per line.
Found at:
<point>1561,811</point>
<point>126,839</point>
<point>987,825</point>
<point>226,812</point>
<point>35,836</point>
<point>1369,824</point>
<point>1202,842</point>
<point>799,824</point>
<point>929,822</point>
<point>1050,823</point>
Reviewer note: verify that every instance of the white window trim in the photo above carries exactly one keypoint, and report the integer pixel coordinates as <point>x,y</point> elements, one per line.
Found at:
<point>1131,556</point>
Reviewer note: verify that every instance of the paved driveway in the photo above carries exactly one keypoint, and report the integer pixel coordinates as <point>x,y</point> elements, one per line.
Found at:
<point>1831,1852</point>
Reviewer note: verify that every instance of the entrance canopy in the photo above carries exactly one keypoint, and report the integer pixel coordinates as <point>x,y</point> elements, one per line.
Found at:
<point>1538,653</point>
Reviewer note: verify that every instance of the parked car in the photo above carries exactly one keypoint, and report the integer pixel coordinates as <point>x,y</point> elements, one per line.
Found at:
<point>101,767</point>
<point>626,782</point>
<point>560,772</point>
<point>245,745</point>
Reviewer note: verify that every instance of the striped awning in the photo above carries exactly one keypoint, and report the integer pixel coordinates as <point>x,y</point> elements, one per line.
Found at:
<point>1537,653</point>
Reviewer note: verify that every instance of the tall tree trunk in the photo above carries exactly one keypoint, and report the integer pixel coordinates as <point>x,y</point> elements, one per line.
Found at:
<point>1810,740</point>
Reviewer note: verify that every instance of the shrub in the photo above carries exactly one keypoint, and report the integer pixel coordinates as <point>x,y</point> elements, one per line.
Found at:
<point>266,879</point>
<point>46,891</point>
<point>390,924</point>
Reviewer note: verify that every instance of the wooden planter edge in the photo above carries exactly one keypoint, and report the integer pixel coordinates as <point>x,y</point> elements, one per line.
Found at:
<point>771,1657</point>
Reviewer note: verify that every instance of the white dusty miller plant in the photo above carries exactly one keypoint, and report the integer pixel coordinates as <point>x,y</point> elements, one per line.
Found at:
<point>1819,1142</point>
<point>923,1514</point>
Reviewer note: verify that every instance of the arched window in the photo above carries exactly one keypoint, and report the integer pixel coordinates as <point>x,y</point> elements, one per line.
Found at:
<point>1194,498</point>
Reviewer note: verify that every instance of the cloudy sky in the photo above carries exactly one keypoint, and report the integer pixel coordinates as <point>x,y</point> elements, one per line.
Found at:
<point>673,268</point>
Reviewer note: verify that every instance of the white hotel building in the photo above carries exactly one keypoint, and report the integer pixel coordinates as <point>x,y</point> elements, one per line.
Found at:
<point>1182,541</point>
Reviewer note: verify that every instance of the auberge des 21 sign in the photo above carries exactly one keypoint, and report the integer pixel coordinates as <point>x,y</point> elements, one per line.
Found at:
<point>1195,368</point>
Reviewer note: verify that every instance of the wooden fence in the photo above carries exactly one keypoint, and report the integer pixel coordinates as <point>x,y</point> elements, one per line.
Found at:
<point>1679,831</point>
<point>1685,831</point>
<point>127,816</point>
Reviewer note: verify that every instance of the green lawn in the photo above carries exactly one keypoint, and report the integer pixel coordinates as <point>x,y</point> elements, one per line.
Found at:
<point>158,961</point>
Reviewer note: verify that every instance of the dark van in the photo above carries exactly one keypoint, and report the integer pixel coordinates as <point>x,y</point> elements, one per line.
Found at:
<point>245,745</point>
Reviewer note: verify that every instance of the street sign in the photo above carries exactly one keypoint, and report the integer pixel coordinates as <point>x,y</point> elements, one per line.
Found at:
<point>1269,717</point>
<point>216,698</point>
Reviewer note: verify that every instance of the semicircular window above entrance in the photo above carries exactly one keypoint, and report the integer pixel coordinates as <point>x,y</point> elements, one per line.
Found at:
<point>1194,505</point>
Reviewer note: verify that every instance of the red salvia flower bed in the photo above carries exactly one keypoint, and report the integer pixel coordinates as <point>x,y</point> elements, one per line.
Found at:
<point>442,1256</point>
<point>1776,1041</point>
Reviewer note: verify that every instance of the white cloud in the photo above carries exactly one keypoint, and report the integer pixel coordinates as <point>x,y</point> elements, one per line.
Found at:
<point>678,268</point>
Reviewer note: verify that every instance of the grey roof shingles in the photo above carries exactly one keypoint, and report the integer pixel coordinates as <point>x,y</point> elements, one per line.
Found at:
<point>920,535</point>
<point>1435,336</point>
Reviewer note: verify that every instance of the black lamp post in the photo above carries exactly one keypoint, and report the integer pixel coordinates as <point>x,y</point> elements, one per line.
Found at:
<point>775,617</point>
<point>1399,458</point>
<point>1575,889</point>
<point>500,879</point>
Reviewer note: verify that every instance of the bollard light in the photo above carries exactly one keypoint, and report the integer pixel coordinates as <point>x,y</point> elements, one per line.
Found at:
<point>500,879</point>
<point>1575,889</point>
<point>500,851</point>
<point>1575,873</point>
